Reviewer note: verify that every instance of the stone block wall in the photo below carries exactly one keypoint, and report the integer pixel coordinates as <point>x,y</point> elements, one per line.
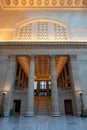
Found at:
<point>65,95</point>
<point>21,95</point>
<point>3,70</point>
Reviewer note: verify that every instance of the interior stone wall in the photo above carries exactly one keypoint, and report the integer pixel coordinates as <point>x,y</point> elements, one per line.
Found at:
<point>21,95</point>
<point>82,68</point>
<point>65,95</point>
<point>3,70</point>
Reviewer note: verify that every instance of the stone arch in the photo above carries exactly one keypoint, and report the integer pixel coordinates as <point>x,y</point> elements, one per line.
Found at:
<point>42,30</point>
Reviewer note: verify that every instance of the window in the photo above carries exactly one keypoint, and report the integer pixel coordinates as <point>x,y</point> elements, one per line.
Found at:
<point>42,85</point>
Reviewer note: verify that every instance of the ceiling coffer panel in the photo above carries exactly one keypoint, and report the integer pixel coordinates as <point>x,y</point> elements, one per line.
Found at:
<point>13,4</point>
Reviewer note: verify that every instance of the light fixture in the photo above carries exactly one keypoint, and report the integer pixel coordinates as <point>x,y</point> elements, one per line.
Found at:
<point>4,92</point>
<point>79,92</point>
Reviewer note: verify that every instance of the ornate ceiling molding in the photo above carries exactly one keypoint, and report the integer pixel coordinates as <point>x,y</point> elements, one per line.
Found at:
<point>44,45</point>
<point>14,4</point>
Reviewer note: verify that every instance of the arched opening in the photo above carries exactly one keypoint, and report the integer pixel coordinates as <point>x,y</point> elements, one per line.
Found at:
<point>42,30</point>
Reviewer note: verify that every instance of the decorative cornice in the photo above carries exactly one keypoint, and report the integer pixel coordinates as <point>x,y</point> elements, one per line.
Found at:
<point>43,45</point>
<point>21,4</point>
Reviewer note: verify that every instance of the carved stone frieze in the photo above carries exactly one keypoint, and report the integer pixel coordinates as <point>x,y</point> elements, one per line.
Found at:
<point>44,45</point>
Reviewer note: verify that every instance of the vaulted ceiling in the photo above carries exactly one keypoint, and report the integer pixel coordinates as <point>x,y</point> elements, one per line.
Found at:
<point>21,4</point>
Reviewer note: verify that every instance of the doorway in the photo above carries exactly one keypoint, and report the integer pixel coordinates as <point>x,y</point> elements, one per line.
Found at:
<point>17,106</point>
<point>68,107</point>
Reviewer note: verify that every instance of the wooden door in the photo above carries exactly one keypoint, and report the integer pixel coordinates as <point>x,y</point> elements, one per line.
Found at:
<point>68,107</point>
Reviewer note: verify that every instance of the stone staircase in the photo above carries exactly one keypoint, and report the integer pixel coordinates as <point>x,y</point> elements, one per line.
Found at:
<point>42,105</point>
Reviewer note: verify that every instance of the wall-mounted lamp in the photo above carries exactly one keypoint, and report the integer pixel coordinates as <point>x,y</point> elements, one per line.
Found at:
<point>2,103</point>
<point>79,92</point>
<point>4,92</point>
<point>82,105</point>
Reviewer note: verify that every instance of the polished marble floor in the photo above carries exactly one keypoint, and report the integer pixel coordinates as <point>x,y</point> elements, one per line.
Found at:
<point>43,123</point>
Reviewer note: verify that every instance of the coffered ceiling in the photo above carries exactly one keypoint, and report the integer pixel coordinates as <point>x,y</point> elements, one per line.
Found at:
<point>21,4</point>
<point>42,66</point>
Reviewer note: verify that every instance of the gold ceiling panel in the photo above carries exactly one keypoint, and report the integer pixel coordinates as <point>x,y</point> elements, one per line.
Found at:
<point>24,61</point>
<point>12,4</point>
<point>60,62</point>
<point>42,66</point>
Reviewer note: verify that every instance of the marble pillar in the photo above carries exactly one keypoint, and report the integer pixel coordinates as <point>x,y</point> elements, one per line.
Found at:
<point>54,89</point>
<point>9,84</point>
<point>75,84</point>
<point>30,98</point>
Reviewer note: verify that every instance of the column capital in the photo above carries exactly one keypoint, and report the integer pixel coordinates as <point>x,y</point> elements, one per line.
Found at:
<point>12,57</point>
<point>32,56</point>
<point>52,56</point>
<point>73,56</point>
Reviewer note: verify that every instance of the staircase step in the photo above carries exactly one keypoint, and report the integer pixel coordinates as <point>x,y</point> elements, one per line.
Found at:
<point>42,105</point>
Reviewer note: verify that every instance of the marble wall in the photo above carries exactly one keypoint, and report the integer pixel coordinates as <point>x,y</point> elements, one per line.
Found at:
<point>21,95</point>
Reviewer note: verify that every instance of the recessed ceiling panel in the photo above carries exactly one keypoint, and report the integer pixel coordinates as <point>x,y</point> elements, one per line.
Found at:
<point>21,4</point>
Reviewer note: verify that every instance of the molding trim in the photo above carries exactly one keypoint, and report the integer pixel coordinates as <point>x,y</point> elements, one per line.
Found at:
<point>30,45</point>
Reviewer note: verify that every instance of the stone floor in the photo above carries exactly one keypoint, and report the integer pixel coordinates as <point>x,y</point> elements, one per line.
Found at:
<point>43,123</point>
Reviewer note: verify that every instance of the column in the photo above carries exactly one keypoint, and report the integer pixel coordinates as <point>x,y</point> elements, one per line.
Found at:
<point>30,98</point>
<point>54,90</point>
<point>9,84</point>
<point>75,84</point>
